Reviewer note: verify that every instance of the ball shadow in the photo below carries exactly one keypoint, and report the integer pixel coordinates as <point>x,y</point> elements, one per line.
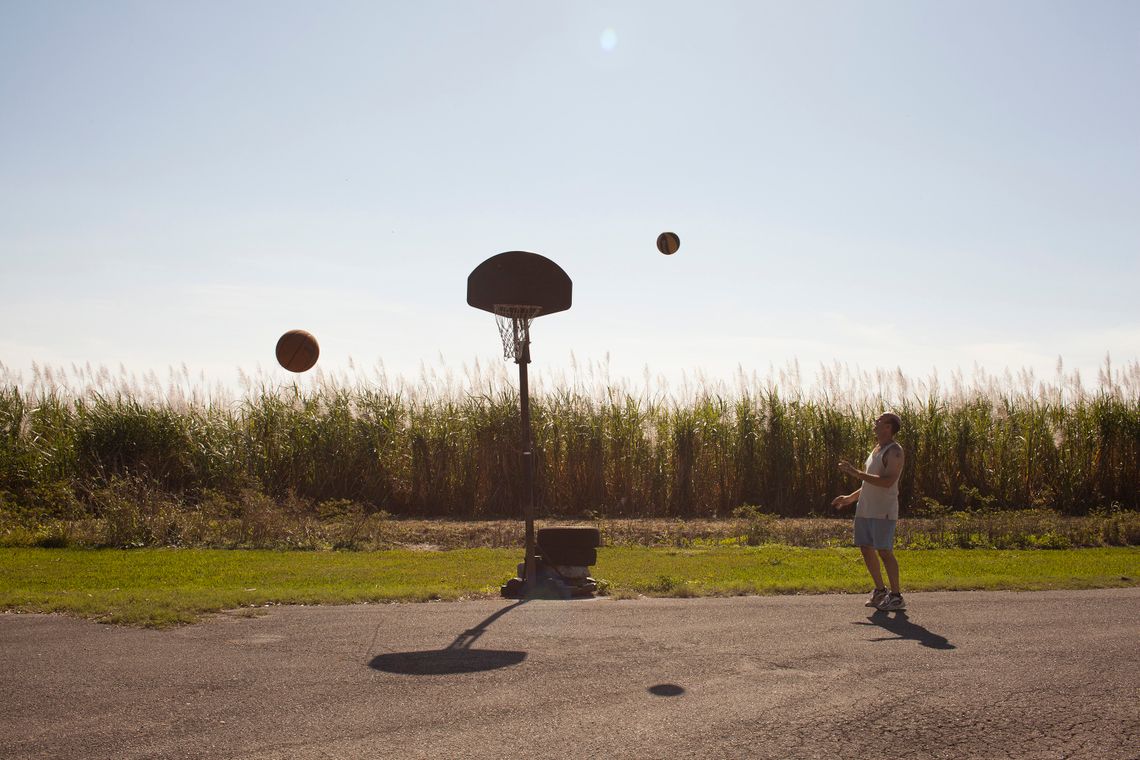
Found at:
<point>666,690</point>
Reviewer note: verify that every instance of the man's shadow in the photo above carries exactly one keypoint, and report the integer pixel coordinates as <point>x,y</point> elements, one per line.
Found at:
<point>457,657</point>
<point>900,625</point>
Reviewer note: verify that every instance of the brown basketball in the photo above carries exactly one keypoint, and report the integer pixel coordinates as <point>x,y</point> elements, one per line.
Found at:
<point>668,243</point>
<point>297,351</point>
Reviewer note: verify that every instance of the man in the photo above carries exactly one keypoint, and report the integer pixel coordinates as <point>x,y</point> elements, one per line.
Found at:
<point>877,511</point>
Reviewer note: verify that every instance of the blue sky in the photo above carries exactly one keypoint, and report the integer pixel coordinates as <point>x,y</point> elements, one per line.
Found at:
<point>915,185</point>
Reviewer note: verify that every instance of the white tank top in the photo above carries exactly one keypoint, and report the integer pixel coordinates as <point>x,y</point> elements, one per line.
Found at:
<point>876,501</point>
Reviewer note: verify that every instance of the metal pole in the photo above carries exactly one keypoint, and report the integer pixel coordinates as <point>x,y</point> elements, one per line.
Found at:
<point>531,579</point>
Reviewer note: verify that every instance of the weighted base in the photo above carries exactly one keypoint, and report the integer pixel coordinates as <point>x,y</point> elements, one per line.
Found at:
<point>549,583</point>
<point>549,588</point>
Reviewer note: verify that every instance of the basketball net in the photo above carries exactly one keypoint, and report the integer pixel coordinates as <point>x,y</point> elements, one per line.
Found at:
<point>514,327</point>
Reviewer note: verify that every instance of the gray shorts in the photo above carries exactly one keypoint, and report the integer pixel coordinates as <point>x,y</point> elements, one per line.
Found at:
<point>875,531</point>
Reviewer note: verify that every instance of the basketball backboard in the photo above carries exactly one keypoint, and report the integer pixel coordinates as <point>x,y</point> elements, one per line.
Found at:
<point>519,278</point>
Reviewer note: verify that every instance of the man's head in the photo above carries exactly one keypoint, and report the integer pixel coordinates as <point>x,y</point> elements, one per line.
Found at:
<point>887,425</point>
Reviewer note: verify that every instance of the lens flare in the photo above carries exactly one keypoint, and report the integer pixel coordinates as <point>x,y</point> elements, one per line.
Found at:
<point>609,40</point>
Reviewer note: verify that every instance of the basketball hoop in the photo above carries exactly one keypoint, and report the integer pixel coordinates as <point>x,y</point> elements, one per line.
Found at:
<point>514,328</point>
<point>516,287</point>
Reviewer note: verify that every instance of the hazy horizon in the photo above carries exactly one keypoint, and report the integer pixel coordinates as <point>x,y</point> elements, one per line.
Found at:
<point>919,187</point>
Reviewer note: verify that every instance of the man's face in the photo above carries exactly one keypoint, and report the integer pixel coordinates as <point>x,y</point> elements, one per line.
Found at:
<point>882,426</point>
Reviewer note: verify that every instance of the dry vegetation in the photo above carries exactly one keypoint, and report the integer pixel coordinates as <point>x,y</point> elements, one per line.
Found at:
<point>90,459</point>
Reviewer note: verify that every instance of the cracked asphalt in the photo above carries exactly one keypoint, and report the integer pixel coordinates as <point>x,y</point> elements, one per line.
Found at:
<point>959,675</point>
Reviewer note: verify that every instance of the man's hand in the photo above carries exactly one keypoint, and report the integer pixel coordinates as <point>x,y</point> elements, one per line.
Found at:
<point>848,469</point>
<point>843,500</point>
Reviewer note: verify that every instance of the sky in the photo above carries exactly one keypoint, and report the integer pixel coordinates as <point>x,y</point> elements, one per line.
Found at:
<point>914,186</point>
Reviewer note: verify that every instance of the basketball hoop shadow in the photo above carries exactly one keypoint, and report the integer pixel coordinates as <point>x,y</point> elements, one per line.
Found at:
<point>457,657</point>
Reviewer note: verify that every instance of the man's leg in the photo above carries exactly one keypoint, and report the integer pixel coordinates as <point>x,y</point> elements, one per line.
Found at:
<point>872,562</point>
<point>892,566</point>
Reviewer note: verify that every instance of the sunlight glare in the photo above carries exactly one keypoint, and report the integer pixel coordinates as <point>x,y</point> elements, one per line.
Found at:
<point>609,40</point>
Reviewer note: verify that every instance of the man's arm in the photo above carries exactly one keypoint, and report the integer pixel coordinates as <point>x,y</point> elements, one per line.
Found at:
<point>839,502</point>
<point>893,460</point>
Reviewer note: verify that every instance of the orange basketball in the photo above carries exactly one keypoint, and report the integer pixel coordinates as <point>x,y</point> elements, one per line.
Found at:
<point>297,351</point>
<point>668,243</point>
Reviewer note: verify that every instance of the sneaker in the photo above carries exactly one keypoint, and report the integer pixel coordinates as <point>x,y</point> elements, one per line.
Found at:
<point>892,601</point>
<point>877,597</point>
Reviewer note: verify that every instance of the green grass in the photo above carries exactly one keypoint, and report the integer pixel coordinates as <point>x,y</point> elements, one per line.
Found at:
<point>159,587</point>
<point>162,587</point>
<point>789,570</point>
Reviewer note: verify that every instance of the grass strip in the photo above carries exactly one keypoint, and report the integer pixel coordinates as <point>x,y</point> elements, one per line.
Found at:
<point>162,587</point>
<point>777,569</point>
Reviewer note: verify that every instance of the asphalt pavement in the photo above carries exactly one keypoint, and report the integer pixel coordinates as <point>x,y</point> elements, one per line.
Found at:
<point>958,675</point>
